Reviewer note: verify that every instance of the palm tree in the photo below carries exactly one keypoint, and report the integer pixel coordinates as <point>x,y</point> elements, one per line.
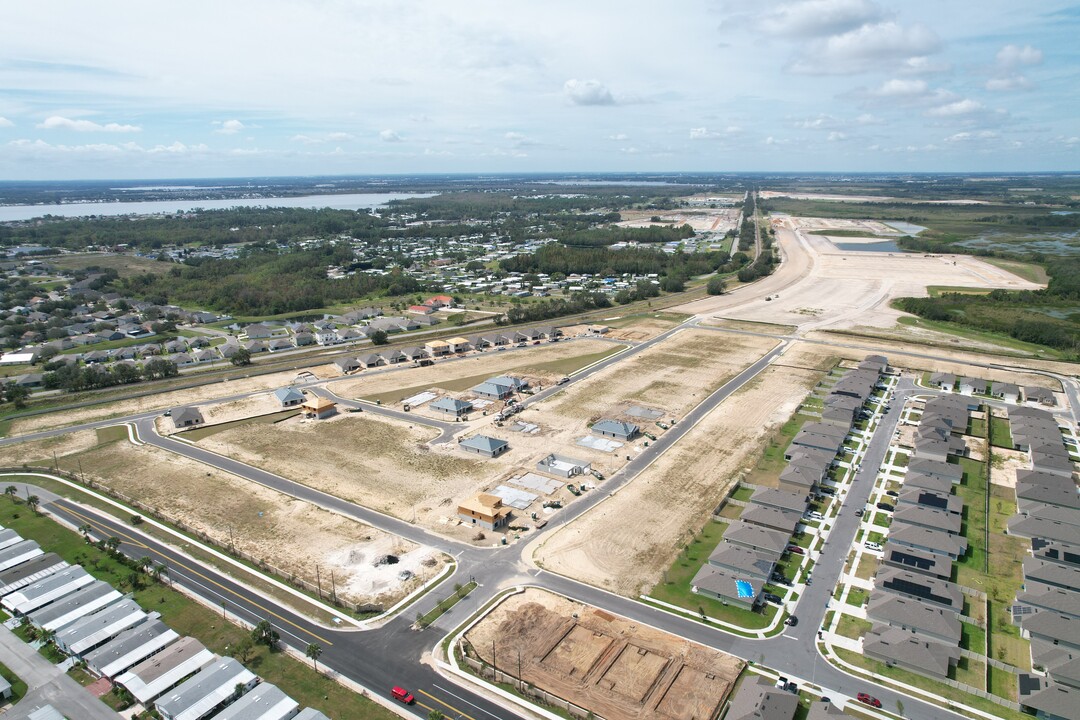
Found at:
<point>11,491</point>
<point>314,651</point>
<point>86,529</point>
<point>46,635</point>
<point>146,564</point>
<point>161,570</point>
<point>32,502</point>
<point>112,543</point>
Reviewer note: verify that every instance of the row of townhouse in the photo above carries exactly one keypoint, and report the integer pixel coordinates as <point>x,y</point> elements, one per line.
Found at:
<point>92,622</point>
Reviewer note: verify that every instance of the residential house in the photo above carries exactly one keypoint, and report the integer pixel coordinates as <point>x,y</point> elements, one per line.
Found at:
<point>184,417</point>
<point>923,516</point>
<point>266,702</point>
<point>483,445</point>
<point>318,408</point>
<point>451,406</point>
<point>918,561</point>
<point>779,499</point>
<point>758,699</point>
<point>914,616</point>
<point>933,541</point>
<point>486,511</point>
<point>616,429</point>
<point>130,648</point>
<point>755,537</point>
<point>898,648</point>
<point>289,397</point>
<point>258,331</point>
<point>371,360</point>
<point>728,587</point>
<point>924,588</point>
<point>207,691</point>
<point>161,672</point>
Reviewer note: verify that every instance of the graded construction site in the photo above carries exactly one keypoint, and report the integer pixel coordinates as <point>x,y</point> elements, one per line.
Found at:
<point>600,662</point>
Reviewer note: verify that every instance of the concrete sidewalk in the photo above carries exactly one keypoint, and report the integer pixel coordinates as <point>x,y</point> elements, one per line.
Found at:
<point>47,684</point>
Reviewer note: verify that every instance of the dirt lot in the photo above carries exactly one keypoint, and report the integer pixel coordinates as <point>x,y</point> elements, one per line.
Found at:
<point>160,401</point>
<point>548,361</point>
<point>287,533</point>
<point>839,289</point>
<point>675,375</point>
<point>718,220</point>
<point>625,542</point>
<point>606,664</point>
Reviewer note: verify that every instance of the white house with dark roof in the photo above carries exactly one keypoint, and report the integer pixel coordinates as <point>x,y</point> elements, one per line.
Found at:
<point>484,445</point>
<point>616,429</point>
<point>289,397</point>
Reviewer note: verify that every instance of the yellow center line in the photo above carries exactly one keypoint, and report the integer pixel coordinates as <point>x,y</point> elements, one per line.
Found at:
<point>441,702</point>
<point>133,541</point>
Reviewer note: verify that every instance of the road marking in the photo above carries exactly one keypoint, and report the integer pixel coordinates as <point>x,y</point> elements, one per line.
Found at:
<point>446,704</point>
<point>132,541</point>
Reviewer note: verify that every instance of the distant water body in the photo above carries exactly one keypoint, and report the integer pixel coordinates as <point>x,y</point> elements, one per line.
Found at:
<point>365,201</point>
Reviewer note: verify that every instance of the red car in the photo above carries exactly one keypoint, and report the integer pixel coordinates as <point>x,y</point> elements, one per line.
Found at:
<point>869,700</point>
<point>795,549</point>
<point>406,697</point>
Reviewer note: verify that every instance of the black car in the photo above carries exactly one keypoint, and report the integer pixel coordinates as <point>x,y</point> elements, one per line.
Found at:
<point>885,506</point>
<point>792,621</point>
<point>826,491</point>
<point>774,599</point>
<point>892,493</point>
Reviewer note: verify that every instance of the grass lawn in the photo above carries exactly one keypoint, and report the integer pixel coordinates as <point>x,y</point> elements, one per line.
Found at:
<point>971,672</point>
<point>1000,432</point>
<point>742,493</point>
<point>565,366</point>
<point>882,520</point>
<point>1003,684</point>
<point>208,430</point>
<point>876,537</point>
<point>18,687</point>
<point>675,586</point>
<point>924,683</point>
<point>868,566</point>
<point>853,627</point>
<point>900,459</point>
<point>772,463</point>
<point>187,617</point>
<point>999,339</point>
<point>730,512</point>
<point>856,596</point>
<point>973,638</point>
<point>1029,271</point>
<point>976,427</point>
<point>447,603</point>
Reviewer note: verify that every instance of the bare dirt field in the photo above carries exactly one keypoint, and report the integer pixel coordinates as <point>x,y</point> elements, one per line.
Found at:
<point>718,220</point>
<point>543,360</point>
<point>625,542</point>
<point>765,194</point>
<point>1005,463</point>
<point>158,401</point>
<point>289,534</point>
<point>674,375</point>
<point>843,289</point>
<point>600,662</point>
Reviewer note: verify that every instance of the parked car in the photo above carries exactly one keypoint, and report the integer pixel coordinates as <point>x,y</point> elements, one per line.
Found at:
<point>796,549</point>
<point>774,599</point>
<point>858,513</point>
<point>869,700</point>
<point>892,493</point>
<point>402,695</point>
<point>792,621</point>
<point>826,491</point>
<point>885,506</point>
<point>872,546</point>
<point>813,515</point>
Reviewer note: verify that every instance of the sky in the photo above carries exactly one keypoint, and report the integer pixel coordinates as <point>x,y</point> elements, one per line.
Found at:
<point>111,89</point>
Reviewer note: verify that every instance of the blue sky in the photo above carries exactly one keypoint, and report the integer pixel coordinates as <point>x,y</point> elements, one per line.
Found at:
<point>110,89</point>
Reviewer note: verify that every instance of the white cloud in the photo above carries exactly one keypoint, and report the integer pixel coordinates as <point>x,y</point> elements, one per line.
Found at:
<point>56,122</point>
<point>520,139</point>
<point>629,150</point>
<point>923,65</point>
<point>868,119</point>
<point>967,136</point>
<point>587,92</point>
<point>866,48</point>
<point>229,127</point>
<point>821,122</point>
<point>619,137</point>
<point>4,122</point>
<point>953,109</point>
<point>390,136</point>
<point>837,136</point>
<point>901,88</point>
<point>775,141</point>
<point>703,134</point>
<point>1012,56</point>
<point>306,139</point>
<point>812,18</point>
<point>178,148</point>
<point>339,136</point>
<point>1009,83</point>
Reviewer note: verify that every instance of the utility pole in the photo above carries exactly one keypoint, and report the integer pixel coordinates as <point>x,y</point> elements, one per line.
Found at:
<point>333,587</point>
<point>318,580</point>
<point>494,667</point>
<point>519,669</point>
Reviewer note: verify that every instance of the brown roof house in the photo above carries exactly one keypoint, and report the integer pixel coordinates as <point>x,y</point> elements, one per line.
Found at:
<point>485,510</point>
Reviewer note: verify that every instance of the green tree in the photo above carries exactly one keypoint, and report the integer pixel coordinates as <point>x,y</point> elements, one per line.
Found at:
<point>241,357</point>
<point>11,491</point>
<point>243,649</point>
<point>265,634</point>
<point>379,337</point>
<point>435,715</point>
<point>314,651</point>
<point>32,502</point>
<point>717,285</point>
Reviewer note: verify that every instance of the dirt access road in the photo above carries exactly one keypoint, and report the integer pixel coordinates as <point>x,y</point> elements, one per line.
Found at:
<point>820,286</point>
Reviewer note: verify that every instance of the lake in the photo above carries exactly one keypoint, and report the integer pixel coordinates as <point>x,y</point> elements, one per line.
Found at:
<point>356,201</point>
<point>883,246</point>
